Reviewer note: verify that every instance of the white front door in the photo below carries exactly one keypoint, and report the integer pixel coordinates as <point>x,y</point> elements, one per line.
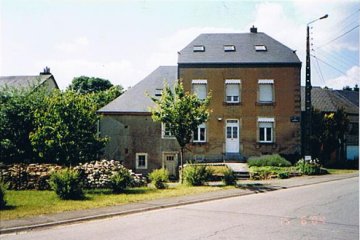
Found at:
<point>171,163</point>
<point>232,136</point>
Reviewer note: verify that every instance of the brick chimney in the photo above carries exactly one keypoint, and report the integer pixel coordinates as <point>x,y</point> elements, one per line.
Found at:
<point>253,29</point>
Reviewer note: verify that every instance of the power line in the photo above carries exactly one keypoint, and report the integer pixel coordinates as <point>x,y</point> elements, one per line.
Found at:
<point>339,36</point>
<point>328,64</point>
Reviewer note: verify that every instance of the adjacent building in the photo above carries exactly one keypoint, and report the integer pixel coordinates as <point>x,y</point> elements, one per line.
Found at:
<point>254,82</point>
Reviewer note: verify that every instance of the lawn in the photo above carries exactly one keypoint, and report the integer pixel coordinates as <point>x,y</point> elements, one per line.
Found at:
<point>341,171</point>
<point>27,203</point>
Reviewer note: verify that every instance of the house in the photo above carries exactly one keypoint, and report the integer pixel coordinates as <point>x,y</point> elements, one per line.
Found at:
<point>329,101</point>
<point>45,79</point>
<point>254,81</point>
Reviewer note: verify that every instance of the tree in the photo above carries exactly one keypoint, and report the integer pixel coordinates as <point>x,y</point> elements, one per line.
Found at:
<point>104,97</point>
<point>86,84</point>
<point>66,129</point>
<point>181,112</point>
<point>17,108</point>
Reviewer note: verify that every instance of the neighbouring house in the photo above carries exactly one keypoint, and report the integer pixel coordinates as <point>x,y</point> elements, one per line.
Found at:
<point>45,79</point>
<point>329,101</point>
<point>254,81</point>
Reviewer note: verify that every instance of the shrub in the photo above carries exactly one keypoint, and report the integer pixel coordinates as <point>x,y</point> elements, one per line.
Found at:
<point>159,177</point>
<point>262,173</point>
<point>312,167</point>
<point>67,184</point>
<point>274,160</point>
<point>2,195</point>
<point>196,175</point>
<point>120,180</point>
<point>229,177</point>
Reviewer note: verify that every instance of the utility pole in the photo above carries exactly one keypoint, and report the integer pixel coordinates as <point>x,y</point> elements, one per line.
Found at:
<point>308,87</point>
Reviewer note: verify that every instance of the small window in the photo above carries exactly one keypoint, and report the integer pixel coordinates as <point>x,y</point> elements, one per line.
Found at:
<point>199,48</point>
<point>266,130</point>
<point>200,133</point>
<point>232,87</point>
<point>260,48</point>
<point>158,92</point>
<point>199,88</point>
<point>266,89</point>
<point>229,48</point>
<point>141,160</point>
<point>165,131</point>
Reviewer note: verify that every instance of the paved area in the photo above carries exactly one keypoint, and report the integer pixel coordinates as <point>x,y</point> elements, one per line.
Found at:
<point>238,167</point>
<point>245,188</point>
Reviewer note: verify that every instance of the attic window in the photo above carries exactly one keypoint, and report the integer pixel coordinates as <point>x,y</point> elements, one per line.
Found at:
<point>260,48</point>
<point>229,48</point>
<point>199,48</point>
<point>158,92</point>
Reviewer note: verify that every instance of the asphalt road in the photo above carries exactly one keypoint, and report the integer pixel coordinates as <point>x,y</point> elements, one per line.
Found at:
<point>321,211</point>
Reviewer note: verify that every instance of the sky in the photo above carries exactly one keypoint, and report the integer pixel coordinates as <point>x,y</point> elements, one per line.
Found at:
<point>124,41</point>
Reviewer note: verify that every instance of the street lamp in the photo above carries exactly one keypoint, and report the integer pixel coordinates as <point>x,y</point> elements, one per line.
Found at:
<point>307,151</point>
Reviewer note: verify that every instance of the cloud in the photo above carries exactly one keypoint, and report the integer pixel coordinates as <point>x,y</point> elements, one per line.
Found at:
<point>74,45</point>
<point>350,79</point>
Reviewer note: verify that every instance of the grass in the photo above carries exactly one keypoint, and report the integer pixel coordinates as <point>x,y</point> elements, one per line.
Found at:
<point>341,171</point>
<point>28,203</point>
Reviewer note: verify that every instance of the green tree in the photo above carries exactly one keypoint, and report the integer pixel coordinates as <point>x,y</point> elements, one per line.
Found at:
<point>104,97</point>
<point>182,113</point>
<point>86,84</point>
<point>66,129</point>
<point>17,108</point>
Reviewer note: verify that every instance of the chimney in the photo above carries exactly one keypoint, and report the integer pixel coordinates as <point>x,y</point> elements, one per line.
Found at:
<point>46,71</point>
<point>253,29</point>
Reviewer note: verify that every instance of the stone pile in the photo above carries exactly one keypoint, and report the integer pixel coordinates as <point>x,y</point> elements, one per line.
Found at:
<point>28,176</point>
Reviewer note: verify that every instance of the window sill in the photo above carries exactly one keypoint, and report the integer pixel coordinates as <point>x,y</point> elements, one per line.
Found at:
<point>265,103</point>
<point>198,143</point>
<point>232,103</point>
<point>260,144</point>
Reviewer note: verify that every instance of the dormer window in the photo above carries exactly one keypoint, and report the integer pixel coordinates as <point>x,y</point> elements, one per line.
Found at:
<point>199,48</point>
<point>158,92</point>
<point>229,48</point>
<point>260,48</point>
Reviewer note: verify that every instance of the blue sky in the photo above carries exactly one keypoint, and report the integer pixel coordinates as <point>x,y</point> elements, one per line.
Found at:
<point>124,41</point>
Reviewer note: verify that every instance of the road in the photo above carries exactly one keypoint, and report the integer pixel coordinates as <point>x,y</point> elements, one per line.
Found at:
<point>321,211</point>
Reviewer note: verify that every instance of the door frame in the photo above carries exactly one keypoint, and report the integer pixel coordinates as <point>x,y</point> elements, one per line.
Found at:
<point>232,124</point>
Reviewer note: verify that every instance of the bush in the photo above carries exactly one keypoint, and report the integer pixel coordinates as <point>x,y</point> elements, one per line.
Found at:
<point>262,173</point>
<point>274,160</point>
<point>120,180</point>
<point>196,175</point>
<point>229,177</point>
<point>2,195</point>
<point>67,184</point>
<point>159,177</point>
<point>312,167</point>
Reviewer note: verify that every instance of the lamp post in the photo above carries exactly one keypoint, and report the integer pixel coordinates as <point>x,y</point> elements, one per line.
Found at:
<point>308,87</point>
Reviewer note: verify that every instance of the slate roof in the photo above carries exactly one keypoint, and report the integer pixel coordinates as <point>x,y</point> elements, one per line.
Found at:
<point>352,96</point>
<point>328,100</point>
<point>135,100</point>
<point>24,81</point>
<point>244,53</point>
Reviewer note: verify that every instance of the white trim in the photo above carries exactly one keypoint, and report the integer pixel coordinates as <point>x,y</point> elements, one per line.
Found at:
<point>266,81</point>
<point>199,81</point>
<point>232,81</point>
<point>137,160</point>
<point>262,119</point>
<point>203,125</point>
<point>163,131</point>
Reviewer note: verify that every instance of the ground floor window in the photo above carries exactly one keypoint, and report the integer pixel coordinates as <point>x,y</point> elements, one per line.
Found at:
<point>266,130</point>
<point>141,160</point>
<point>200,133</point>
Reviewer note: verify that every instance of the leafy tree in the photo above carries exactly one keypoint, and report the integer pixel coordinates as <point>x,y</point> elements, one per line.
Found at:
<point>86,84</point>
<point>182,113</point>
<point>66,129</point>
<point>104,97</point>
<point>17,108</point>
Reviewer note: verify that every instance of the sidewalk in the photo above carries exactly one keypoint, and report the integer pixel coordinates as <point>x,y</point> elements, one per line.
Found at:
<point>245,188</point>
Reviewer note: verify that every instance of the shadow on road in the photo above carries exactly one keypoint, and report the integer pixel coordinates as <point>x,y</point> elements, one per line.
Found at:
<point>258,187</point>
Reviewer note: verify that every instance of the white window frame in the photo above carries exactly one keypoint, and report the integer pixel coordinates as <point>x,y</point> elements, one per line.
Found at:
<point>201,82</point>
<point>199,48</point>
<point>233,82</point>
<point>229,48</point>
<point>137,160</point>
<point>158,92</point>
<point>270,122</point>
<point>164,132</point>
<point>198,140</point>
<point>261,84</point>
<point>260,48</point>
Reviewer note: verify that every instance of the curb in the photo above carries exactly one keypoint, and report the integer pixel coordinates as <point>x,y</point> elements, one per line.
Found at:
<point>162,206</point>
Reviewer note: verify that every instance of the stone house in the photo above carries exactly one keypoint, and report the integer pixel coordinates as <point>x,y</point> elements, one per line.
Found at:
<point>329,101</point>
<point>254,81</point>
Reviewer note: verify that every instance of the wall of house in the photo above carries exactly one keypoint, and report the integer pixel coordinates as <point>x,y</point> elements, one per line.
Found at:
<point>287,104</point>
<point>131,134</point>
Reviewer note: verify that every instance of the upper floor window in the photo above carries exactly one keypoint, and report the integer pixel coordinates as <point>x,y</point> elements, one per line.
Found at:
<point>199,48</point>
<point>158,92</point>
<point>200,133</point>
<point>229,48</point>
<point>165,131</point>
<point>232,88</point>
<point>260,48</point>
<point>266,91</point>
<point>199,88</point>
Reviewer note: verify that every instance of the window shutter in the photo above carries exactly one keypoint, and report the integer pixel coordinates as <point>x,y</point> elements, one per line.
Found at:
<point>200,90</point>
<point>266,93</point>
